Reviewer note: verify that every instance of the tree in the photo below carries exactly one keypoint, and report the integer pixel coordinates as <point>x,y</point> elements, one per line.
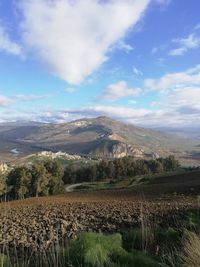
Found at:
<point>69,176</point>
<point>39,181</point>
<point>19,180</point>
<point>101,170</point>
<point>54,168</point>
<point>55,174</point>
<point>155,166</point>
<point>91,173</point>
<point>110,170</point>
<point>2,185</point>
<point>169,163</point>
<point>141,167</point>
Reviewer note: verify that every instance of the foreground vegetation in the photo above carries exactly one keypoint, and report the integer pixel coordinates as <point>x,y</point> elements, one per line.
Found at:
<point>144,247</point>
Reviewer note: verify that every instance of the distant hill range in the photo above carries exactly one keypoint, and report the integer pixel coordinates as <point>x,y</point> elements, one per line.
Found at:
<point>187,132</point>
<point>100,137</point>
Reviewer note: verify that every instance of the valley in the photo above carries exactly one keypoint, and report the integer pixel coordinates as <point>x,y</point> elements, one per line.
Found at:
<point>99,138</point>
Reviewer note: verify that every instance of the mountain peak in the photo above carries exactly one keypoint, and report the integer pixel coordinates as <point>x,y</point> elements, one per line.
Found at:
<point>105,118</point>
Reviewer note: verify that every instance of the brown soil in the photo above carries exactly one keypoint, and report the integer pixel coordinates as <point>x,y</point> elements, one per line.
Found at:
<point>37,223</point>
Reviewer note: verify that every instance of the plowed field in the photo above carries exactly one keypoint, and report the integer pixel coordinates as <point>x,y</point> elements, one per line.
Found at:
<point>39,222</point>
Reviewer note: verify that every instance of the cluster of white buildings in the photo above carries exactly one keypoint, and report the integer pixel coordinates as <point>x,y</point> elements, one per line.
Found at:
<point>3,168</point>
<point>59,154</point>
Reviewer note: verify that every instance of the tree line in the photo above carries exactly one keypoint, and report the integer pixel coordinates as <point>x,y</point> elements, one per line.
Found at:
<point>38,179</point>
<point>48,177</point>
<point>118,169</point>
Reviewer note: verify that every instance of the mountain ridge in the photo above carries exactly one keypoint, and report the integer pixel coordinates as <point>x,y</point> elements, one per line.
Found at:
<point>100,137</point>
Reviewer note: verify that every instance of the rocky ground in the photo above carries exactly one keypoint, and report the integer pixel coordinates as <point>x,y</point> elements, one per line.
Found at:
<point>38,223</point>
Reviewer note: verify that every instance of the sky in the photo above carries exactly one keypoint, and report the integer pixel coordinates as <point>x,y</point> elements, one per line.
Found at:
<point>137,61</point>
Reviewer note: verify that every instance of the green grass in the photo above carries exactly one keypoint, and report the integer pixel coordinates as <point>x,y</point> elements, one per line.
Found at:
<point>91,249</point>
<point>98,250</point>
<point>131,181</point>
<point>192,221</point>
<point>136,259</point>
<point>116,250</point>
<point>4,261</point>
<point>108,184</point>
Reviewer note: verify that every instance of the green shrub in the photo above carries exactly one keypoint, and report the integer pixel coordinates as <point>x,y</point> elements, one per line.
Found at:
<point>135,259</point>
<point>97,250</point>
<point>169,235</point>
<point>92,249</point>
<point>133,240</point>
<point>137,238</point>
<point>147,179</point>
<point>192,221</point>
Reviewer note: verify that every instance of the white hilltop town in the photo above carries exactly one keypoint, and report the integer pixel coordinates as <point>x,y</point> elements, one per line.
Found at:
<point>3,168</point>
<point>59,154</point>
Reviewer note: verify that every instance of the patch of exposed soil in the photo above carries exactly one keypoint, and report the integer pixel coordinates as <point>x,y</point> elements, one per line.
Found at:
<point>37,223</point>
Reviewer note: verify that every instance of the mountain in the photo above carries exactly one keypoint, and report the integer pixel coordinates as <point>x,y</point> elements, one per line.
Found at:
<point>98,137</point>
<point>187,132</point>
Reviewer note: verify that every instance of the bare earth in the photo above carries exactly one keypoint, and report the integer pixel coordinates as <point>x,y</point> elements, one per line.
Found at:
<point>39,222</point>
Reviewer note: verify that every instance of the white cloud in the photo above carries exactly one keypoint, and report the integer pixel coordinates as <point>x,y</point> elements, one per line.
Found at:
<point>140,116</point>
<point>194,70</point>
<point>72,38</point>
<point>10,101</point>
<point>197,27</point>
<point>179,95</point>
<point>177,105</point>
<point>190,77</point>
<point>137,116</point>
<point>191,41</point>
<point>137,72</point>
<point>184,44</point>
<point>184,116</point>
<point>178,102</point>
<point>5,101</point>
<point>181,98</point>
<point>117,91</point>
<point>120,112</point>
<point>177,51</point>
<point>124,46</point>
<point>8,46</point>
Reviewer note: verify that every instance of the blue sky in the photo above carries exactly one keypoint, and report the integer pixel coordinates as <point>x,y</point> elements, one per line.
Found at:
<point>133,60</point>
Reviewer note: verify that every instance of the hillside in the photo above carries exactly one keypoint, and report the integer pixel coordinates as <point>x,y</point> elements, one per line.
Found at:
<point>98,137</point>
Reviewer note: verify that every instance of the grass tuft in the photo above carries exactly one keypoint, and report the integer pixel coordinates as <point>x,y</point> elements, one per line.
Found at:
<point>94,249</point>
<point>191,254</point>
